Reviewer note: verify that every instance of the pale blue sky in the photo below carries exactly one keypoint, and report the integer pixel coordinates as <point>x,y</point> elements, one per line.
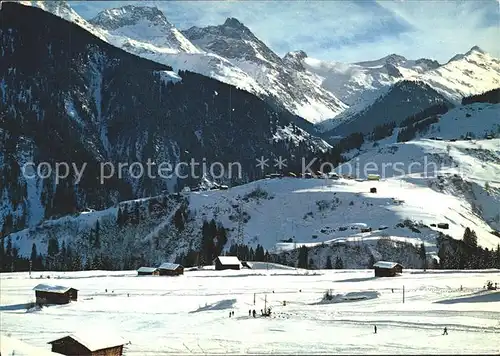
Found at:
<point>348,31</point>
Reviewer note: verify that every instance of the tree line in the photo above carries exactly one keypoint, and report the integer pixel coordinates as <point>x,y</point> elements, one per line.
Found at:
<point>452,253</point>
<point>491,96</point>
<point>465,253</point>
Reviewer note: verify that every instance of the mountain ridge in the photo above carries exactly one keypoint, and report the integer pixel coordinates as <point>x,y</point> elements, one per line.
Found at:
<point>322,92</point>
<point>85,100</point>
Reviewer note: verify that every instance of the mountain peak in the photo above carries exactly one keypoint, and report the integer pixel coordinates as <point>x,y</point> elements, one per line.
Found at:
<point>233,22</point>
<point>294,59</point>
<point>392,59</point>
<point>476,49</point>
<point>231,40</point>
<point>129,15</point>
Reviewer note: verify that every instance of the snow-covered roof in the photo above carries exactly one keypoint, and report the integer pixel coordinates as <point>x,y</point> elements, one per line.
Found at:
<point>94,340</point>
<point>228,260</point>
<point>386,264</point>
<point>169,266</point>
<point>51,289</point>
<point>147,269</point>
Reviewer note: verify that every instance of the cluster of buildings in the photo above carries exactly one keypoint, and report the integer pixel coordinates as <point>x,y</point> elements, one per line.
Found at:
<point>90,345</point>
<point>175,269</point>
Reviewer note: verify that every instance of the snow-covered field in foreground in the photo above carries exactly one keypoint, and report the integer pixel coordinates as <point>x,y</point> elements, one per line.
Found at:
<point>190,313</point>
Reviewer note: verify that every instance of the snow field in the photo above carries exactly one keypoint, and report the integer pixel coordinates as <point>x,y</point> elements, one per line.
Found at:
<point>190,313</point>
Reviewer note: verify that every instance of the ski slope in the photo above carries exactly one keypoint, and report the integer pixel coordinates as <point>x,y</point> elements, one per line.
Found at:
<point>292,210</point>
<point>190,314</point>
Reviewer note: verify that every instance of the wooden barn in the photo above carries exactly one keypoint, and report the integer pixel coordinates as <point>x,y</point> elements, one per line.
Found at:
<point>227,262</point>
<point>170,269</point>
<point>89,344</point>
<point>387,269</point>
<point>148,271</point>
<point>47,294</point>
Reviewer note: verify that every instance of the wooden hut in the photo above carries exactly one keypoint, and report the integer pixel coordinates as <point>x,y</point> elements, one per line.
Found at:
<point>89,344</point>
<point>48,294</point>
<point>387,269</point>
<point>443,226</point>
<point>148,271</point>
<point>170,269</point>
<point>227,262</point>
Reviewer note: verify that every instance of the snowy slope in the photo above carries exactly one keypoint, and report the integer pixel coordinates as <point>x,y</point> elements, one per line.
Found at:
<point>315,211</point>
<point>475,120</point>
<point>144,31</point>
<point>349,82</point>
<point>190,312</point>
<point>426,181</point>
<point>459,170</point>
<point>12,346</point>
<point>140,24</point>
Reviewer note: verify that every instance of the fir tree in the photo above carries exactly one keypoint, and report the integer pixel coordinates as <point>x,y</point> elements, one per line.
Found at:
<point>137,213</point>
<point>302,257</point>
<point>35,259</point>
<point>371,261</point>
<point>423,256</point>
<point>2,254</point>
<point>9,266</point>
<point>97,236</point>
<point>119,217</point>
<point>52,253</point>
<point>328,263</point>
<point>497,263</point>
<point>259,254</point>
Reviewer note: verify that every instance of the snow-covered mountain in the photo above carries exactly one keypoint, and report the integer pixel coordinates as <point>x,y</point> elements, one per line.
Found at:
<point>298,89</point>
<point>85,100</point>
<point>62,9</point>
<point>146,32</point>
<point>354,83</point>
<point>110,105</point>
<point>360,84</point>
<point>465,74</point>
<point>314,89</point>
<point>230,53</point>
<point>141,24</point>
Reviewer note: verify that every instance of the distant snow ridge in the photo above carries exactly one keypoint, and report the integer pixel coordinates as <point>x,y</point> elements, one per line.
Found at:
<point>359,84</point>
<point>313,89</point>
<point>285,79</point>
<point>143,24</point>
